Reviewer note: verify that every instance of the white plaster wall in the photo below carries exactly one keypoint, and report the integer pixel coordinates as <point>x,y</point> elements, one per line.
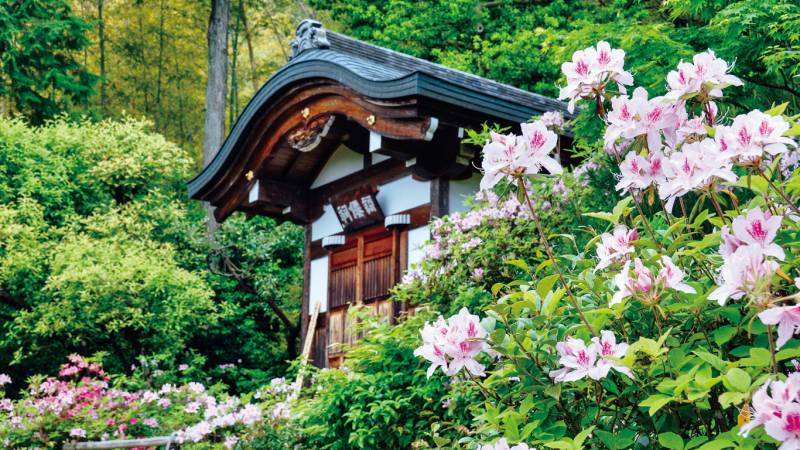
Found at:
<point>318,288</point>
<point>461,190</point>
<point>326,225</point>
<point>377,157</point>
<point>343,162</point>
<point>416,239</point>
<point>402,194</point>
<point>394,197</point>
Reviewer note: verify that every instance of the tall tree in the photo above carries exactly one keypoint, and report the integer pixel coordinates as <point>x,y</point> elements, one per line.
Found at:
<point>216,84</point>
<point>39,73</point>
<point>101,42</point>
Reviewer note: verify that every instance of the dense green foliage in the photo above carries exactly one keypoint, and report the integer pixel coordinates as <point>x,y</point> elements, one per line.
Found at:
<point>39,45</point>
<point>524,43</point>
<point>101,251</point>
<point>382,398</point>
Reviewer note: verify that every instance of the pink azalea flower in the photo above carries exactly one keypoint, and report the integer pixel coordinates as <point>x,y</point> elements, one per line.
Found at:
<point>694,128</point>
<point>465,340</point>
<point>696,166</point>
<point>786,427</point>
<point>502,444</point>
<point>77,432</point>
<point>671,276</point>
<point>614,246</point>
<point>655,116</point>
<point>729,242</point>
<point>4,379</point>
<point>590,70</point>
<point>682,81</point>
<point>627,286</point>
<point>706,73</point>
<point>645,284</point>
<point>640,172</point>
<point>433,345</point>
<point>500,159</point>
<point>594,361</point>
<point>607,349</point>
<point>786,317</point>
<point>454,344</point>
<point>745,272</point>
<point>770,399</point>
<point>752,134</point>
<point>553,120</point>
<point>621,119</point>
<point>758,228</point>
<point>510,155</point>
<point>578,361</point>
<point>539,142</point>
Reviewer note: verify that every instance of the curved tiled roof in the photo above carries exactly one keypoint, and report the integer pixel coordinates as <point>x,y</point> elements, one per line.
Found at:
<point>379,73</point>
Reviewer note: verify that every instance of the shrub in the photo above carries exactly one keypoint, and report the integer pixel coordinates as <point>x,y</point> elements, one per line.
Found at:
<point>672,326</point>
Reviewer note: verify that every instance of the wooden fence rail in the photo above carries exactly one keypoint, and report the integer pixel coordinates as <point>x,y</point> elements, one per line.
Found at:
<point>166,441</point>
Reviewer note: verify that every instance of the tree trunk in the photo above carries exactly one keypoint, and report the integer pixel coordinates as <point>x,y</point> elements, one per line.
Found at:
<point>216,89</point>
<point>249,39</point>
<point>158,112</point>
<point>101,35</point>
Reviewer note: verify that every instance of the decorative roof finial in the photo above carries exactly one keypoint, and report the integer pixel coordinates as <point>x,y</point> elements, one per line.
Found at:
<point>310,34</point>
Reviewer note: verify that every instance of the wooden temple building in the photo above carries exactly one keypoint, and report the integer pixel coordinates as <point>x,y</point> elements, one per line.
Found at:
<point>362,146</point>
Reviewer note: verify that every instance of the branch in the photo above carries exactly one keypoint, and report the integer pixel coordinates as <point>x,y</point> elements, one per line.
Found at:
<point>12,301</point>
<point>765,84</point>
<point>245,284</point>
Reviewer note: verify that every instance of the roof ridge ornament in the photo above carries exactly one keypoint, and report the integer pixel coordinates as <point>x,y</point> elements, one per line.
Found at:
<point>310,34</point>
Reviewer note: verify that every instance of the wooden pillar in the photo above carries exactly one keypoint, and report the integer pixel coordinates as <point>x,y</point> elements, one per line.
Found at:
<point>360,271</point>
<point>440,197</point>
<point>304,311</point>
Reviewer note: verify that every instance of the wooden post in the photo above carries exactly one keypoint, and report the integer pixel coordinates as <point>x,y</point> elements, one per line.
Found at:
<point>312,326</point>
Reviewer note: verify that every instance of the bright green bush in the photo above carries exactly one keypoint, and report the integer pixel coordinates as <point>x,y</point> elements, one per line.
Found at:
<point>101,251</point>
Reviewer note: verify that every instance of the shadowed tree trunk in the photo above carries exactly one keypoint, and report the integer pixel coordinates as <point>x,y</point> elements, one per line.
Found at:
<point>216,86</point>
<point>101,41</point>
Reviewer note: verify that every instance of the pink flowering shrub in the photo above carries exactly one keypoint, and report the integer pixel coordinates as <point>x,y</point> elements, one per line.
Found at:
<point>82,404</point>
<point>669,320</point>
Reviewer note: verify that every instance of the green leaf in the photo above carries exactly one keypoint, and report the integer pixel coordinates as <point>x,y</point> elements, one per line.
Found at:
<point>755,183</point>
<point>727,399</point>
<point>560,444</point>
<point>737,379</point>
<point>620,208</point>
<point>518,263</point>
<point>512,427</point>
<point>695,442</point>
<point>724,334</point>
<point>656,402</point>
<point>717,444</point>
<point>582,437</point>
<point>777,110</point>
<point>603,216</point>
<point>670,440</point>
<point>715,361</point>
<point>545,285</point>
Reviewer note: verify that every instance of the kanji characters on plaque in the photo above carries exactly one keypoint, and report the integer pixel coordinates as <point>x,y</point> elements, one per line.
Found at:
<point>357,209</point>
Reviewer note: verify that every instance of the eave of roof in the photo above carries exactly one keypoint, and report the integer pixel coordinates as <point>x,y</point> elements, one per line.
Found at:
<point>378,73</point>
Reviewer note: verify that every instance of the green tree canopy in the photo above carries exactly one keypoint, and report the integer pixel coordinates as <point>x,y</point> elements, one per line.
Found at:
<point>39,73</point>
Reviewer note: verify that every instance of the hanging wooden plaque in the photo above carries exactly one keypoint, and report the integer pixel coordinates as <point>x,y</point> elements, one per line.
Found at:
<point>357,208</point>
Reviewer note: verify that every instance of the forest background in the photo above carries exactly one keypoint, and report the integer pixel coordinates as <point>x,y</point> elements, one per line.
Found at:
<point>104,111</point>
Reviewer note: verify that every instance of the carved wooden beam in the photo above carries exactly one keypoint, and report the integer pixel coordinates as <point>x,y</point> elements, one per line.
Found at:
<point>308,115</point>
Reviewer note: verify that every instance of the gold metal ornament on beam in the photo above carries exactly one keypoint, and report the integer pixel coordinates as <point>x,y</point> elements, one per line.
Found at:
<point>371,119</point>
<point>305,113</point>
<point>249,175</point>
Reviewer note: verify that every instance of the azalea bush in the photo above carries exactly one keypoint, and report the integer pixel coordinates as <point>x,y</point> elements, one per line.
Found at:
<point>85,403</point>
<point>669,326</point>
